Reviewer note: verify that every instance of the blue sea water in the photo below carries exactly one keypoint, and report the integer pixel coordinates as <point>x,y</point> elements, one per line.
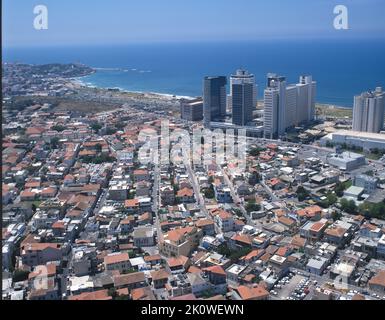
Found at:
<point>342,68</point>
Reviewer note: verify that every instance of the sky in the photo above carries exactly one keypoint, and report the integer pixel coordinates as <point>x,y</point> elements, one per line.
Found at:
<point>95,22</point>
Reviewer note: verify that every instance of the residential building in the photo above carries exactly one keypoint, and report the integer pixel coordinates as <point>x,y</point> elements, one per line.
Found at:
<point>144,237</point>
<point>192,110</point>
<point>33,254</point>
<point>117,261</point>
<point>369,111</point>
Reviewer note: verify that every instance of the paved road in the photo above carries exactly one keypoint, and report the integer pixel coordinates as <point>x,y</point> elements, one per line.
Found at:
<point>237,200</point>
<point>195,185</point>
<point>156,202</point>
<point>269,191</point>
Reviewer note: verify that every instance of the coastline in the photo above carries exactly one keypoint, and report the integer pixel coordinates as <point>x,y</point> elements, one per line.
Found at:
<point>79,83</point>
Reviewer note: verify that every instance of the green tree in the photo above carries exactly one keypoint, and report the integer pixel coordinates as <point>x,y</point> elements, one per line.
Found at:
<point>341,187</point>
<point>209,193</point>
<point>96,126</point>
<point>54,143</point>
<point>58,127</point>
<point>302,193</point>
<point>336,215</point>
<point>255,151</point>
<point>373,210</point>
<point>252,206</point>
<point>348,206</point>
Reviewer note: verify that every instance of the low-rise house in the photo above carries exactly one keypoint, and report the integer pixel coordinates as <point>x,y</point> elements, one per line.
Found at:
<point>377,283</point>
<point>339,233</point>
<point>167,195</point>
<point>178,265</point>
<point>233,274</point>
<point>199,285</point>
<point>223,194</point>
<point>144,237</point>
<point>144,293</point>
<point>224,220</point>
<point>317,265</point>
<point>117,261</point>
<point>159,278</point>
<point>250,293</point>
<point>33,254</point>
<point>127,225</point>
<point>313,231</point>
<point>309,213</point>
<point>207,226</point>
<point>180,241</point>
<point>141,175</point>
<point>185,195</point>
<point>93,296</point>
<point>153,260</point>
<point>217,278</point>
<point>130,281</point>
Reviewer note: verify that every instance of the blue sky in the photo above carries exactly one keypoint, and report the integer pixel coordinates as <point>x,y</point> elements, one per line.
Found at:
<point>88,22</point>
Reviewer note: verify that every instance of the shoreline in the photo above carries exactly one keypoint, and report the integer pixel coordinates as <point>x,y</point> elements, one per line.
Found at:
<point>79,83</point>
<point>168,96</point>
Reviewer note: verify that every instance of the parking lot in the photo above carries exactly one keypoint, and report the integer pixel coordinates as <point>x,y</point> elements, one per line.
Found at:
<point>292,287</point>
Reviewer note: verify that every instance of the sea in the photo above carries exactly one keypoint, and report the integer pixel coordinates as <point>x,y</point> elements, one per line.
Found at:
<point>342,68</point>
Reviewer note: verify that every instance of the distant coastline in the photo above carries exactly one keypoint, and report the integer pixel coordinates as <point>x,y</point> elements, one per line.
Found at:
<point>178,69</point>
<point>79,81</point>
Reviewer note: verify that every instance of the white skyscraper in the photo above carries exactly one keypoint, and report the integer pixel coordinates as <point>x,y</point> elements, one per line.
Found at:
<point>287,105</point>
<point>274,106</point>
<point>306,91</point>
<point>369,110</point>
<point>271,100</point>
<point>291,106</point>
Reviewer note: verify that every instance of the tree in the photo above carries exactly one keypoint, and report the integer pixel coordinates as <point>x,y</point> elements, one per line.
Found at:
<point>341,187</point>
<point>54,143</point>
<point>112,293</point>
<point>110,131</point>
<point>98,148</point>
<point>58,127</point>
<point>209,193</point>
<point>373,210</point>
<point>302,193</point>
<point>120,125</point>
<point>255,151</point>
<point>348,206</point>
<point>336,215</point>
<point>252,206</point>
<point>331,199</point>
<point>224,250</point>
<point>96,126</point>
<point>236,254</point>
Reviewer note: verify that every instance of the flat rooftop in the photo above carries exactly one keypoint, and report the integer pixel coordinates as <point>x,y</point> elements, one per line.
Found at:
<point>359,134</point>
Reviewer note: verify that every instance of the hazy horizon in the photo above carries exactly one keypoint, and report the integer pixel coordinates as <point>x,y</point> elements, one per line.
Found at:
<point>72,23</point>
